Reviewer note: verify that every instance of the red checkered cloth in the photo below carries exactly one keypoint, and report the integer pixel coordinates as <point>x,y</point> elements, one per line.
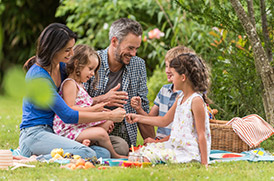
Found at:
<point>252,129</point>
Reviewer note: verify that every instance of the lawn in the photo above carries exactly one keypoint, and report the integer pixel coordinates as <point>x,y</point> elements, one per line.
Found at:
<point>10,118</point>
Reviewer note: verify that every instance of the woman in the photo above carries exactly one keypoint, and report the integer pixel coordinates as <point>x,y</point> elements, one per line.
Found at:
<point>54,49</point>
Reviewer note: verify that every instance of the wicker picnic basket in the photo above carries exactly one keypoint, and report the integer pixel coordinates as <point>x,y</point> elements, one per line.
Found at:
<point>224,138</point>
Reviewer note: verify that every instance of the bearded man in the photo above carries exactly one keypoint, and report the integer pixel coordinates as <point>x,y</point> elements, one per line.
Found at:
<point>122,75</point>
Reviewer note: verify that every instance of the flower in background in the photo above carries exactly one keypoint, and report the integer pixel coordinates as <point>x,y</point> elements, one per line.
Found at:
<point>105,26</point>
<point>155,33</point>
<point>145,38</point>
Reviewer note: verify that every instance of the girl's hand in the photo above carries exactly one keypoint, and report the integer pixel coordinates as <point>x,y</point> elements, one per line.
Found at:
<point>111,127</point>
<point>118,114</point>
<point>99,107</point>
<point>86,142</point>
<point>108,126</point>
<point>132,118</point>
<point>136,103</point>
<point>149,140</point>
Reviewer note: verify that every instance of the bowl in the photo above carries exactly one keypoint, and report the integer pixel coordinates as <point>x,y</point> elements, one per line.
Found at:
<point>114,163</point>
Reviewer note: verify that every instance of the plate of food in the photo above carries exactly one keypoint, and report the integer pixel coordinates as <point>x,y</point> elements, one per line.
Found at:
<point>226,156</point>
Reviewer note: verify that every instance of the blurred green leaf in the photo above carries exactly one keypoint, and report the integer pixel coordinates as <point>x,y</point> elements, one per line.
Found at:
<point>14,82</point>
<point>40,92</point>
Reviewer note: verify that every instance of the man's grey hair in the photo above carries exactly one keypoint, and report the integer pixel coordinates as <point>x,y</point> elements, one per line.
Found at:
<point>122,27</point>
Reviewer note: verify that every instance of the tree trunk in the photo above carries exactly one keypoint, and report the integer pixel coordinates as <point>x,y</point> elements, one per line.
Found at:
<point>267,42</point>
<point>261,61</point>
<point>251,12</point>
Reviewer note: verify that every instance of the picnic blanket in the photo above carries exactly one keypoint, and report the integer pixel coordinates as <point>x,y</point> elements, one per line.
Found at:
<point>252,129</point>
<point>256,155</point>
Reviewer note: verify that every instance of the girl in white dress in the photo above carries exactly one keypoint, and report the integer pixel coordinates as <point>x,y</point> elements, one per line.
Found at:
<point>190,138</point>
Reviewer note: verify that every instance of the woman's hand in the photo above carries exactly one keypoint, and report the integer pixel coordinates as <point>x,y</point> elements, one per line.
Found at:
<point>136,103</point>
<point>118,114</point>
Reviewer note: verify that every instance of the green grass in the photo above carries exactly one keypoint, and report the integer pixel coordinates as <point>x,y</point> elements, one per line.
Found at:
<point>10,118</point>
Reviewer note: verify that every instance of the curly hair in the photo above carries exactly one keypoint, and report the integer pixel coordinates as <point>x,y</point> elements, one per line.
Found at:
<point>81,58</point>
<point>195,69</point>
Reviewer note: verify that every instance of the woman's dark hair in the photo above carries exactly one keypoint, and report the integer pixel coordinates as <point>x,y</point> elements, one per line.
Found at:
<point>81,58</point>
<point>52,39</point>
<point>195,69</point>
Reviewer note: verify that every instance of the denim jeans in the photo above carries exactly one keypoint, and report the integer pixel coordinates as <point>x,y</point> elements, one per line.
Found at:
<point>40,140</point>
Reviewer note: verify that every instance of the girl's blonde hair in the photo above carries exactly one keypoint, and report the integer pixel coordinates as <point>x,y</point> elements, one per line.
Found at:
<point>174,52</point>
<point>81,58</point>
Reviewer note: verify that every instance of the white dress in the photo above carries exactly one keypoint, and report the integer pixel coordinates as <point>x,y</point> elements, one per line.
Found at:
<point>182,145</point>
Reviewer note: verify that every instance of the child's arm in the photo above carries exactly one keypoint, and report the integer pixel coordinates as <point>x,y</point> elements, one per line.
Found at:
<point>70,91</point>
<point>199,117</point>
<point>151,140</point>
<point>154,120</point>
<point>136,103</point>
<point>85,115</point>
<point>145,130</point>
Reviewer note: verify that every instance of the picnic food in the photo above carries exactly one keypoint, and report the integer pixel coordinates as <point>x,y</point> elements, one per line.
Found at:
<point>89,165</point>
<point>80,164</point>
<point>93,160</point>
<point>55,151</point>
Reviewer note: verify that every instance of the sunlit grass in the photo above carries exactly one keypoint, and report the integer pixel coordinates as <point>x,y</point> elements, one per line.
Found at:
<point>10,118</point>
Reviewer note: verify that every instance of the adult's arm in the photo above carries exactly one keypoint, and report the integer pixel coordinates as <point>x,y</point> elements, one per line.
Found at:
<point>70,116</point>
<point>145,130</point>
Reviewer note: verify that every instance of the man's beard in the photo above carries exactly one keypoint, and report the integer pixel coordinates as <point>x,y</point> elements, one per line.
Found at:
<point>119,56</point>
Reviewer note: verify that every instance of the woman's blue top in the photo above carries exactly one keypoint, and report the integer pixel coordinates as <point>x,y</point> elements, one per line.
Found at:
<point>34,115</point>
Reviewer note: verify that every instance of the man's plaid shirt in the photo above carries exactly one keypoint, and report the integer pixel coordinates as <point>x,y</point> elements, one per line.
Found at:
<point>134,82</point>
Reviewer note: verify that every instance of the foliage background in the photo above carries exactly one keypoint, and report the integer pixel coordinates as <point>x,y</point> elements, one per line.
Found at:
<point>210,27</point>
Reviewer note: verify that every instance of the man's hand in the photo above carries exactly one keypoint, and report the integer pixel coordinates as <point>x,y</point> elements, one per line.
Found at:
<point>136,103</point>
<point>118,114</point>
<point>116,98</point>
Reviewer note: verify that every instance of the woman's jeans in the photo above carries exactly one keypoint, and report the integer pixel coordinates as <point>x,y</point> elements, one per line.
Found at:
<point>40,140</point>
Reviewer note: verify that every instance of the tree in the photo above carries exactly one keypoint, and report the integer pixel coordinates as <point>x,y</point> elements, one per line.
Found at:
<point>221,14</point>
<point>21,22</point>
<point>263,67</point>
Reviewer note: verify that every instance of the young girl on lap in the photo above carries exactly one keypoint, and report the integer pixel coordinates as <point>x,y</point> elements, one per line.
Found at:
<point>190,138</point>
<point>81,67</point>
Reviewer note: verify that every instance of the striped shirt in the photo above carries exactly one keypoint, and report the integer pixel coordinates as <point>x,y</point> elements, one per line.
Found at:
<point>164,100</point>
<point>134,82</point>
